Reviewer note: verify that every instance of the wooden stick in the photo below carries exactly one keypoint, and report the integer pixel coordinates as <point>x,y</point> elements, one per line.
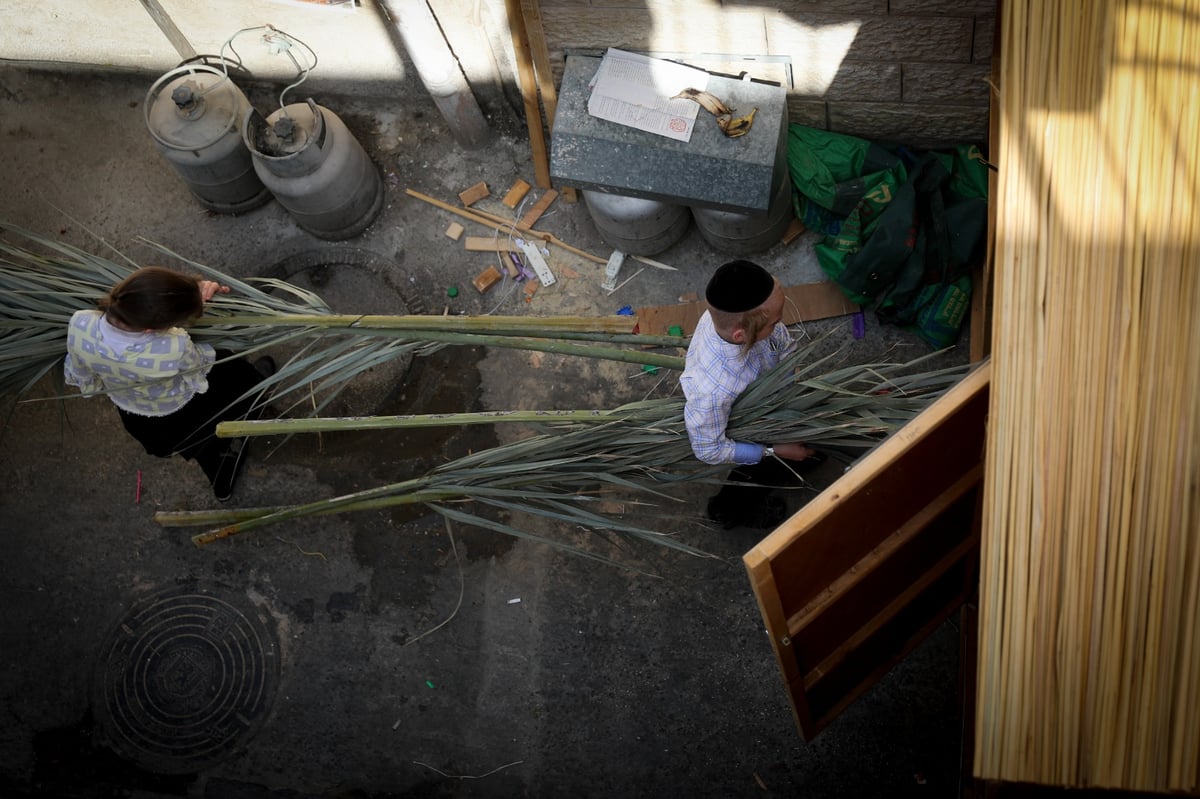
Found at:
<point>533,116</point>
<point>532,14</point>
<point>539,208</point>
<point>490,220</point>
<point>169,29</point>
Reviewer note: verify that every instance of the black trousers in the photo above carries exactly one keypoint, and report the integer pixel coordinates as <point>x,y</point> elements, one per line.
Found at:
<point>750,486</point>
<point>191,430</point>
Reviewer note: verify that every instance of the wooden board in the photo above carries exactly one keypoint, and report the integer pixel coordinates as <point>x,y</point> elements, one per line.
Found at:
<point>488,244</point>
<point>486,279</point>
<point>805,303</point>
<point>469,197</point>
<point>866,570</point>
<point>535,213</point>
<point>515,194</point>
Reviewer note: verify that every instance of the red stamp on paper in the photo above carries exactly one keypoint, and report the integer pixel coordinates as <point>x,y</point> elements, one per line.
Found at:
<point>678,125</point>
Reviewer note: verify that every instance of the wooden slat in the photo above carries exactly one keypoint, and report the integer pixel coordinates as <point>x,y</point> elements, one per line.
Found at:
<point>474,194</point>
<point>766,593</point>
<point>904,533</point>
<point>535,213</point>
<point>544,72</point>
<point>488,244</point>
<point>533,116</point>
<point>920,582</point>
<point>169,29</point>
<point>516,193</point>
<point>877,655</point>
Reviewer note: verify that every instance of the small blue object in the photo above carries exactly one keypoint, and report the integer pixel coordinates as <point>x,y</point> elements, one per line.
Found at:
<point>860,324</point>
<point>626,311</point>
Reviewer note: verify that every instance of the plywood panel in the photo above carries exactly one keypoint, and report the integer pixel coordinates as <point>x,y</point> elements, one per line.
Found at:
<point>868,568</point>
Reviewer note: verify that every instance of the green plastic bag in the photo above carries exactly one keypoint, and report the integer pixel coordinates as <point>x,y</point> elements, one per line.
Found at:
<point>906,246</point>
<point>835,170</point>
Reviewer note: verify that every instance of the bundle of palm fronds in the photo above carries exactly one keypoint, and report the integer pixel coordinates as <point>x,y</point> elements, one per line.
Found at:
<point>574,460</point>
<point>41,288</point>
<point>581,458</point>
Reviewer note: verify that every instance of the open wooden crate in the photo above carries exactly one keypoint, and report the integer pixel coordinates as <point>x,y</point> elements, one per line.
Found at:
<point>859,576</point>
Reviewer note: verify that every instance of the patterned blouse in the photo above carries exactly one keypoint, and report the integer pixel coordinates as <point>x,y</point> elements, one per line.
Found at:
<point>150,374</point>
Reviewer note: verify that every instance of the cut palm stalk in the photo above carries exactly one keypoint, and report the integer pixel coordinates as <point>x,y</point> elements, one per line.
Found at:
<point>516,325</point>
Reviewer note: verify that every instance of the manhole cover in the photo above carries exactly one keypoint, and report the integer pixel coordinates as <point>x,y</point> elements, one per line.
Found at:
<point>354,281</point>
<point>185,678</point>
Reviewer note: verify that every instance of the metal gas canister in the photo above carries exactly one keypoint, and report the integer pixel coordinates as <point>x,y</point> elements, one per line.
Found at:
<point>307,157</point>
<point>195,114</point>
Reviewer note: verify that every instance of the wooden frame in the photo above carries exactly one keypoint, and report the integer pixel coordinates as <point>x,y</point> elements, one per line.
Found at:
<point>859,576</point>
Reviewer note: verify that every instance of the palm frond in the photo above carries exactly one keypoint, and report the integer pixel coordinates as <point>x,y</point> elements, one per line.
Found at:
<point>636,450</point>
<point>43,283</point>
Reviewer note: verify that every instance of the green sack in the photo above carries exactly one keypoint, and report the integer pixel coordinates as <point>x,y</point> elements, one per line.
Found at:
<point>899,239</point>
<point>942,307</point>
<point>834,170</point>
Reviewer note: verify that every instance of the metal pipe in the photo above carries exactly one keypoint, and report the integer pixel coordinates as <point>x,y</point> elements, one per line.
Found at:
<point>439,71</point>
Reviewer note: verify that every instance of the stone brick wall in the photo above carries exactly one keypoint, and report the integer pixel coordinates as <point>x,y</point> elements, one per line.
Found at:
<point>907,71</point>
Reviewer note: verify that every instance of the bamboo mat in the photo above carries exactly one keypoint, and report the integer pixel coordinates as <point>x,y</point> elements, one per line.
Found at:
<point>1089,658</point>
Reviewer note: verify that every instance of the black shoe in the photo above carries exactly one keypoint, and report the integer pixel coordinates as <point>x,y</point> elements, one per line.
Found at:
<point>767,515</point>
<point>228,469</point>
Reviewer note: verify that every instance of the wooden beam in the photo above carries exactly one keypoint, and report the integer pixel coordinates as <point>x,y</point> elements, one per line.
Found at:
<point>167,26</point>
<point>545,74</point>
<point>533,116</point>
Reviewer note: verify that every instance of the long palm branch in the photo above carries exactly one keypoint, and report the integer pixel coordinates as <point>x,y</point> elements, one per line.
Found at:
<point>637,449</point>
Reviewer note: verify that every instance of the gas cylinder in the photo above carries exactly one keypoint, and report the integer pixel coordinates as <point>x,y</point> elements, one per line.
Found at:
<point>195,115</point>
<point>317,170</point>
<point>743,233</point>
<point>635,225</point>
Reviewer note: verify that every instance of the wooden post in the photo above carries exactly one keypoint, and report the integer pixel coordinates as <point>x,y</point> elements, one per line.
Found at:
<point>535,32</point>
<point>533,116</point>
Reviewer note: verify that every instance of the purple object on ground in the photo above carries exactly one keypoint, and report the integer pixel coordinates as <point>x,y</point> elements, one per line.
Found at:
<point>860,324</point>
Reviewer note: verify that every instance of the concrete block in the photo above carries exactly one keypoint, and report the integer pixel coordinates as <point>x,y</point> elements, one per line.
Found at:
<point>711,170</point>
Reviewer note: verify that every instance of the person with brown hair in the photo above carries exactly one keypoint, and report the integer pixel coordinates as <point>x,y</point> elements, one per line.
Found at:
<point>170,392</point>
<point>738,338</point>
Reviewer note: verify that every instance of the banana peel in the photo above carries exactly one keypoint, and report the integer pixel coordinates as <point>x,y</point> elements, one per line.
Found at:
<point>736,126</point>
<point>709,102</point>
<point>730,125</point>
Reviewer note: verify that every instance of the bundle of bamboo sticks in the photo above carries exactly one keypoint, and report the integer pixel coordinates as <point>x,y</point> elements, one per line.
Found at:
<point>1089,659</point>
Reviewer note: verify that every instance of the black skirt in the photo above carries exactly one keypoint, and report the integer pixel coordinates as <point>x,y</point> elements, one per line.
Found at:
<point>191,430</point>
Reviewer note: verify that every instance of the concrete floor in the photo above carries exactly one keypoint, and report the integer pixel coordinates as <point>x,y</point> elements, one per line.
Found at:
<point>653,680</point>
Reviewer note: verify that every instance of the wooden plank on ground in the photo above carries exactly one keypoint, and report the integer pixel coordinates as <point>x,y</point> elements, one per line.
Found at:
<point>488,244</point>
<point>469,197</point>
<point>535,213</point>
<point>515,194</point>
<point>804,303</point>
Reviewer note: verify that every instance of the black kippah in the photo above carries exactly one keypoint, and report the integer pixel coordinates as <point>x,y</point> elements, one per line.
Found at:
<point>739,286</point>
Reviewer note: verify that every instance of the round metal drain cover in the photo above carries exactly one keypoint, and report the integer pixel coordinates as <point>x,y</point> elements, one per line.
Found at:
<point>185,678</point>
